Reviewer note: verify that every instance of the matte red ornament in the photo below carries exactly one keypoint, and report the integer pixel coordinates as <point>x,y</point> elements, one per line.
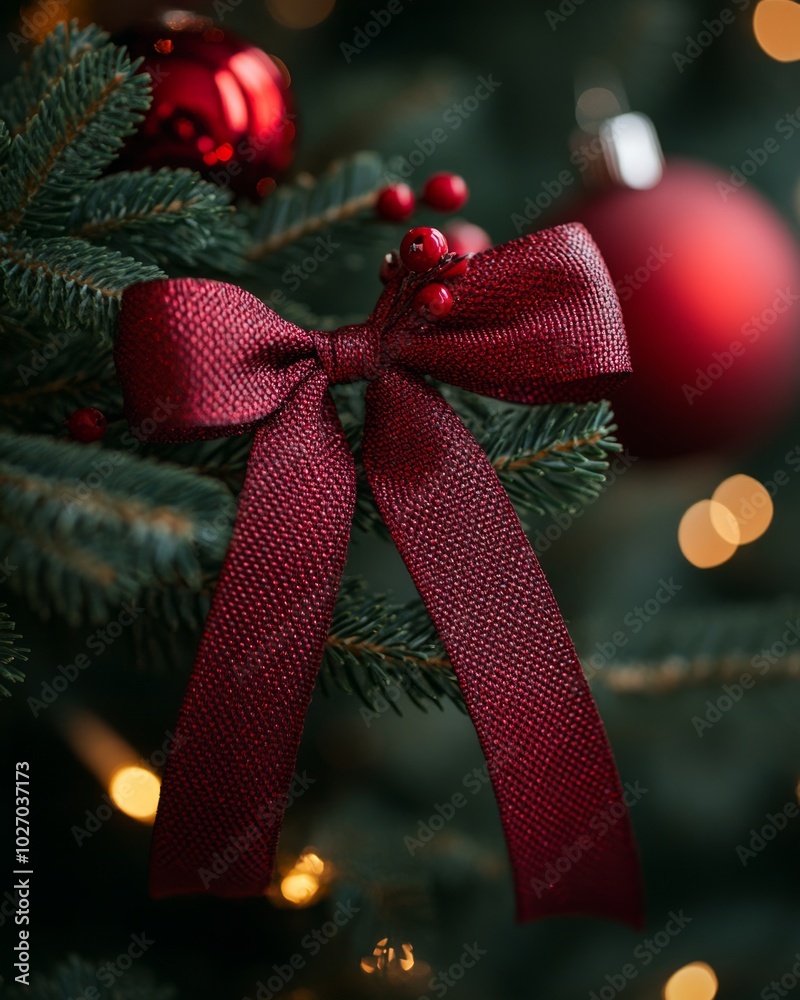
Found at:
<point>221,106</point>
<point>396,203</point>
<point>422,248</point>
<point>433,301</point>
<point>86,425</point>
<point>465,237</point>
<point>708,276</point>
<point>536,321</point>
<point>445,192</point>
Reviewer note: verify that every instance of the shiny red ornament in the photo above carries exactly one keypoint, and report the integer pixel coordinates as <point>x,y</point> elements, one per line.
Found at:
<point>220,106</point>
<point>396,203</point>
<point>445,192</point>
<point>465,237</point>
<point>707,275</point>
<point>86,425</point>
<point>433,301</point>
<point>422,248</point>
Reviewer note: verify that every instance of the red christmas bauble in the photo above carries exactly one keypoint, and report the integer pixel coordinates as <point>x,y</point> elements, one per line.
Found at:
<point>220,106</point>
<point>708,277</point>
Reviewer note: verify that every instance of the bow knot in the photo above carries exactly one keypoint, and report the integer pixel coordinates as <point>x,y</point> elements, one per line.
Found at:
<point>349,354</point>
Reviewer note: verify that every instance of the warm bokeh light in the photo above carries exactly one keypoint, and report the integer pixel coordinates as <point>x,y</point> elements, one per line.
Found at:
<point>595,105</point>
<point>696,981</point>
<point>305,882</point>
<point>776,24</point>
<point>708,534</point>
<point>750,504</point>
<point>300,13</point>
<point>134,790</point>
<point>387,960</point>
<point>299,888</point>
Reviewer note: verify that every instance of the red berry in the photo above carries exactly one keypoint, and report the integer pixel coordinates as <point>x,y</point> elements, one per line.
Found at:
<point>396,203</point>
<point>433,301</point>
<point>466,237</point>
<point>445,192</point>
<point>390,265</point>
<point>422,248</point>
<point>87,424</point>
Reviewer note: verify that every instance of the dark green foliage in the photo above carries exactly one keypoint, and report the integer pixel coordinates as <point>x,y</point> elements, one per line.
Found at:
<point>77,978</point>
<point>9,651</point>
<point>90,528</point>
<point>379,651</point>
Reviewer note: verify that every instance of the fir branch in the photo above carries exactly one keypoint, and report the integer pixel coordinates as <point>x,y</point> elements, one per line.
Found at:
<point>166,217</point>
<point>378,651</point>
<point>69,282</point>
<point>5,142</point>
<point>296,211</point>
<point>90,528</point>
<point>78,978</point>
<point>701,646</point>
<point>77,131</point>
<point>9,652</point>
<point>63,48</point>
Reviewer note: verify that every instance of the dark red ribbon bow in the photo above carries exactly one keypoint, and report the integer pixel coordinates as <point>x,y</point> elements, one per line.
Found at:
<point>534,321</point>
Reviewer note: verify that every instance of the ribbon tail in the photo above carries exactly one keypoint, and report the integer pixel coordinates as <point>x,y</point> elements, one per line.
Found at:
<point>232,771</point>
<point>565,819</point>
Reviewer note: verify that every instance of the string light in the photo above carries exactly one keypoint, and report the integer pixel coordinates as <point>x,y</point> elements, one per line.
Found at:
<point>750,504</point>
<point>776,24</point>
<point>393,963</point>
<point>708,534</point>
<point>696,981</point>
<point>305,883</point>
<point>300,13</point>
<point>135,790</point>
<point>132,786</point>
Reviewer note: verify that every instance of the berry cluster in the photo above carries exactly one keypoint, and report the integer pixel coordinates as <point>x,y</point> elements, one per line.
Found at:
<point>422,250</point>
<point>443,192</point>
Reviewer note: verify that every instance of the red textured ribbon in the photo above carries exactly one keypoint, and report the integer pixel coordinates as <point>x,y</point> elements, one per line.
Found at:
<point>534,321</point>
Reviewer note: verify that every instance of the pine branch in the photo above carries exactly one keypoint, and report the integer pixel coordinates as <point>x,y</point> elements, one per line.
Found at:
<point>69,282</point>
<point>9,652</point>
<point>703,646</point>
<point>77,131</point>
<point>63,48</point>
<point>90,528</point>
<point>378,651</point>
<point>78,978</point>
<point>166,217</point>
<point>5,142</point>
<point>294,212</point>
